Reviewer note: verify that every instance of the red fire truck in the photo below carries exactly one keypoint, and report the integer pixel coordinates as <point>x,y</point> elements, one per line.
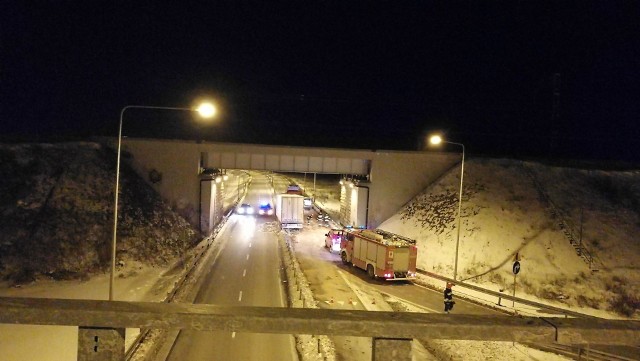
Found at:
<point>382,254</point>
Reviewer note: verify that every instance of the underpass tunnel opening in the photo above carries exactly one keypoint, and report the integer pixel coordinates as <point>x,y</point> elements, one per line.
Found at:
<point>314,177</point>
<point>343,198</point>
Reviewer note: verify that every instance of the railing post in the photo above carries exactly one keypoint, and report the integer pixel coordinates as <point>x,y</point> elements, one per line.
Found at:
<point>397,349</point>
<point>100,344</point>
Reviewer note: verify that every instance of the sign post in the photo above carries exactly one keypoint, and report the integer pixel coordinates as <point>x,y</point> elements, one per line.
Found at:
<point>516,270</point>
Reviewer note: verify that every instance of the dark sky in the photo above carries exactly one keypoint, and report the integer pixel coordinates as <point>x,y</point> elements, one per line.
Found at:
<point>370,74</point>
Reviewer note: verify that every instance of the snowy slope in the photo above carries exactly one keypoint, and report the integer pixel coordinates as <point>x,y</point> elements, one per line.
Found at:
<point>514,207</point>
<point>532,209</point>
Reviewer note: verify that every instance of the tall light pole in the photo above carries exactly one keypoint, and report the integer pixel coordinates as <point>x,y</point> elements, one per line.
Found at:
<point>435,140</point>
<point>206,110</point>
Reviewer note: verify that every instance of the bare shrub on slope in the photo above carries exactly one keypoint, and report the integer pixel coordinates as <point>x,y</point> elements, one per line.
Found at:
<point>56,203</point>
<point>438,211</point>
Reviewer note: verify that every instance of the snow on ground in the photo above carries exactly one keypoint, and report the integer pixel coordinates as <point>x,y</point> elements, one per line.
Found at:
<point>512,207</point>
<point>509,207</point>
<point>134,282</point>
<point>507,210</point>
<point>333,290</point>
<point>503,214</point>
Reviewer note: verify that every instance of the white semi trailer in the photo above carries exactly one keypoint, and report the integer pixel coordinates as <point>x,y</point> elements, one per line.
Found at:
<point>290,210</point>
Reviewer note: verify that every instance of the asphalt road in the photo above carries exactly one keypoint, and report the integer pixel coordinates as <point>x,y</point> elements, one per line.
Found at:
<point>424,297</point>
<point>247,273</point>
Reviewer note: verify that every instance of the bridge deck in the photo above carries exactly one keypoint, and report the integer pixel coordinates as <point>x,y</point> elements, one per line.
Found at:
<point>119,314</point>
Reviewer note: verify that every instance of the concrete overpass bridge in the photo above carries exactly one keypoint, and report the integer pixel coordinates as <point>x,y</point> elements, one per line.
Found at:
<point>387,179</point>
<point>102,324</point>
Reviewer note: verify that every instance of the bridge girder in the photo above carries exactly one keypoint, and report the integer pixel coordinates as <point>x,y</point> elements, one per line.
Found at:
<point>401,325</point>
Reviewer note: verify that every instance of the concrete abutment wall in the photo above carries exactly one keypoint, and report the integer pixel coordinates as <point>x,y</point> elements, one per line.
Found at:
<point>395,176</point>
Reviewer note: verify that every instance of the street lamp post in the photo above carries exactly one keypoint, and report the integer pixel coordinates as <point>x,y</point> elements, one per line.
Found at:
<point>436,139</point>
<point>206,110</point>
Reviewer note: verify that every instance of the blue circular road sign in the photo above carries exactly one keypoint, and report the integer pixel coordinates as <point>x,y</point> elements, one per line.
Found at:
<point>516,267</point>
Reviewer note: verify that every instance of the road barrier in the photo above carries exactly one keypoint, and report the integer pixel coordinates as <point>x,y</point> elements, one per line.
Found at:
<point>102,324</point>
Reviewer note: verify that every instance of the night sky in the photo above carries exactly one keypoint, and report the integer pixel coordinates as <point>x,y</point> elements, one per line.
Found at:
<point>554,79</point>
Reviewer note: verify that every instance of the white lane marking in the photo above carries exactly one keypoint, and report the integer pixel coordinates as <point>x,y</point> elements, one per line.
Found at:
<point>249,245</point>
<point>360,295</point>
<point>247,257</point>
<point>244,273</point>
<point>233,335</point>
<point>367,291</point>
<point>240,297</point>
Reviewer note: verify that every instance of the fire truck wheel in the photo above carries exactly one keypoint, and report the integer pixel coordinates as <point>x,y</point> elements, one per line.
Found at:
<point>370,271</point>
<point>344,258</point>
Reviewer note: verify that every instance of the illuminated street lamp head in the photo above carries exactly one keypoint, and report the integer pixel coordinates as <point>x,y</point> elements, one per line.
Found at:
<point>206,110</point>
<point>435,139</point>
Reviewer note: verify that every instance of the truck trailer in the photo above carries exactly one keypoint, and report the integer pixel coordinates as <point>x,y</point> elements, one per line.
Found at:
<point>290,210</point>
<point>382,254</point>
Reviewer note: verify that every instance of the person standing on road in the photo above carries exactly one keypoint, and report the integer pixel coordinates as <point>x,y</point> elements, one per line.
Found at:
<point>448,298</point>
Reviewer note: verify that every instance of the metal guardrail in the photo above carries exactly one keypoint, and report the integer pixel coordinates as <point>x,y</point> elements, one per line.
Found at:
<point>510,298</point>
<point>179,284</point>
<point>579,352</point>
<point>385,324</point>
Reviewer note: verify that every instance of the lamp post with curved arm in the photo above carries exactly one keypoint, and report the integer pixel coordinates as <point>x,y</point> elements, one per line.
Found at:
<point>206,110</point>
<point>435,140</point>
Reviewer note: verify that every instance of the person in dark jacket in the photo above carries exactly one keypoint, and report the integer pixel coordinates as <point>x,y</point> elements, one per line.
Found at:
<point>448,298</point>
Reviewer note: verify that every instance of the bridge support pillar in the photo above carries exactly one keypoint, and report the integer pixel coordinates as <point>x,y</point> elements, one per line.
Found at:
<point>100,344</point>
<point>397,349</point>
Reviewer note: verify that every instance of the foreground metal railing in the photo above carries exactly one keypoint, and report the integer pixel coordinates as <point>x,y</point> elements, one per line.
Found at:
<point>504,296</point>
<point>102,324</point>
